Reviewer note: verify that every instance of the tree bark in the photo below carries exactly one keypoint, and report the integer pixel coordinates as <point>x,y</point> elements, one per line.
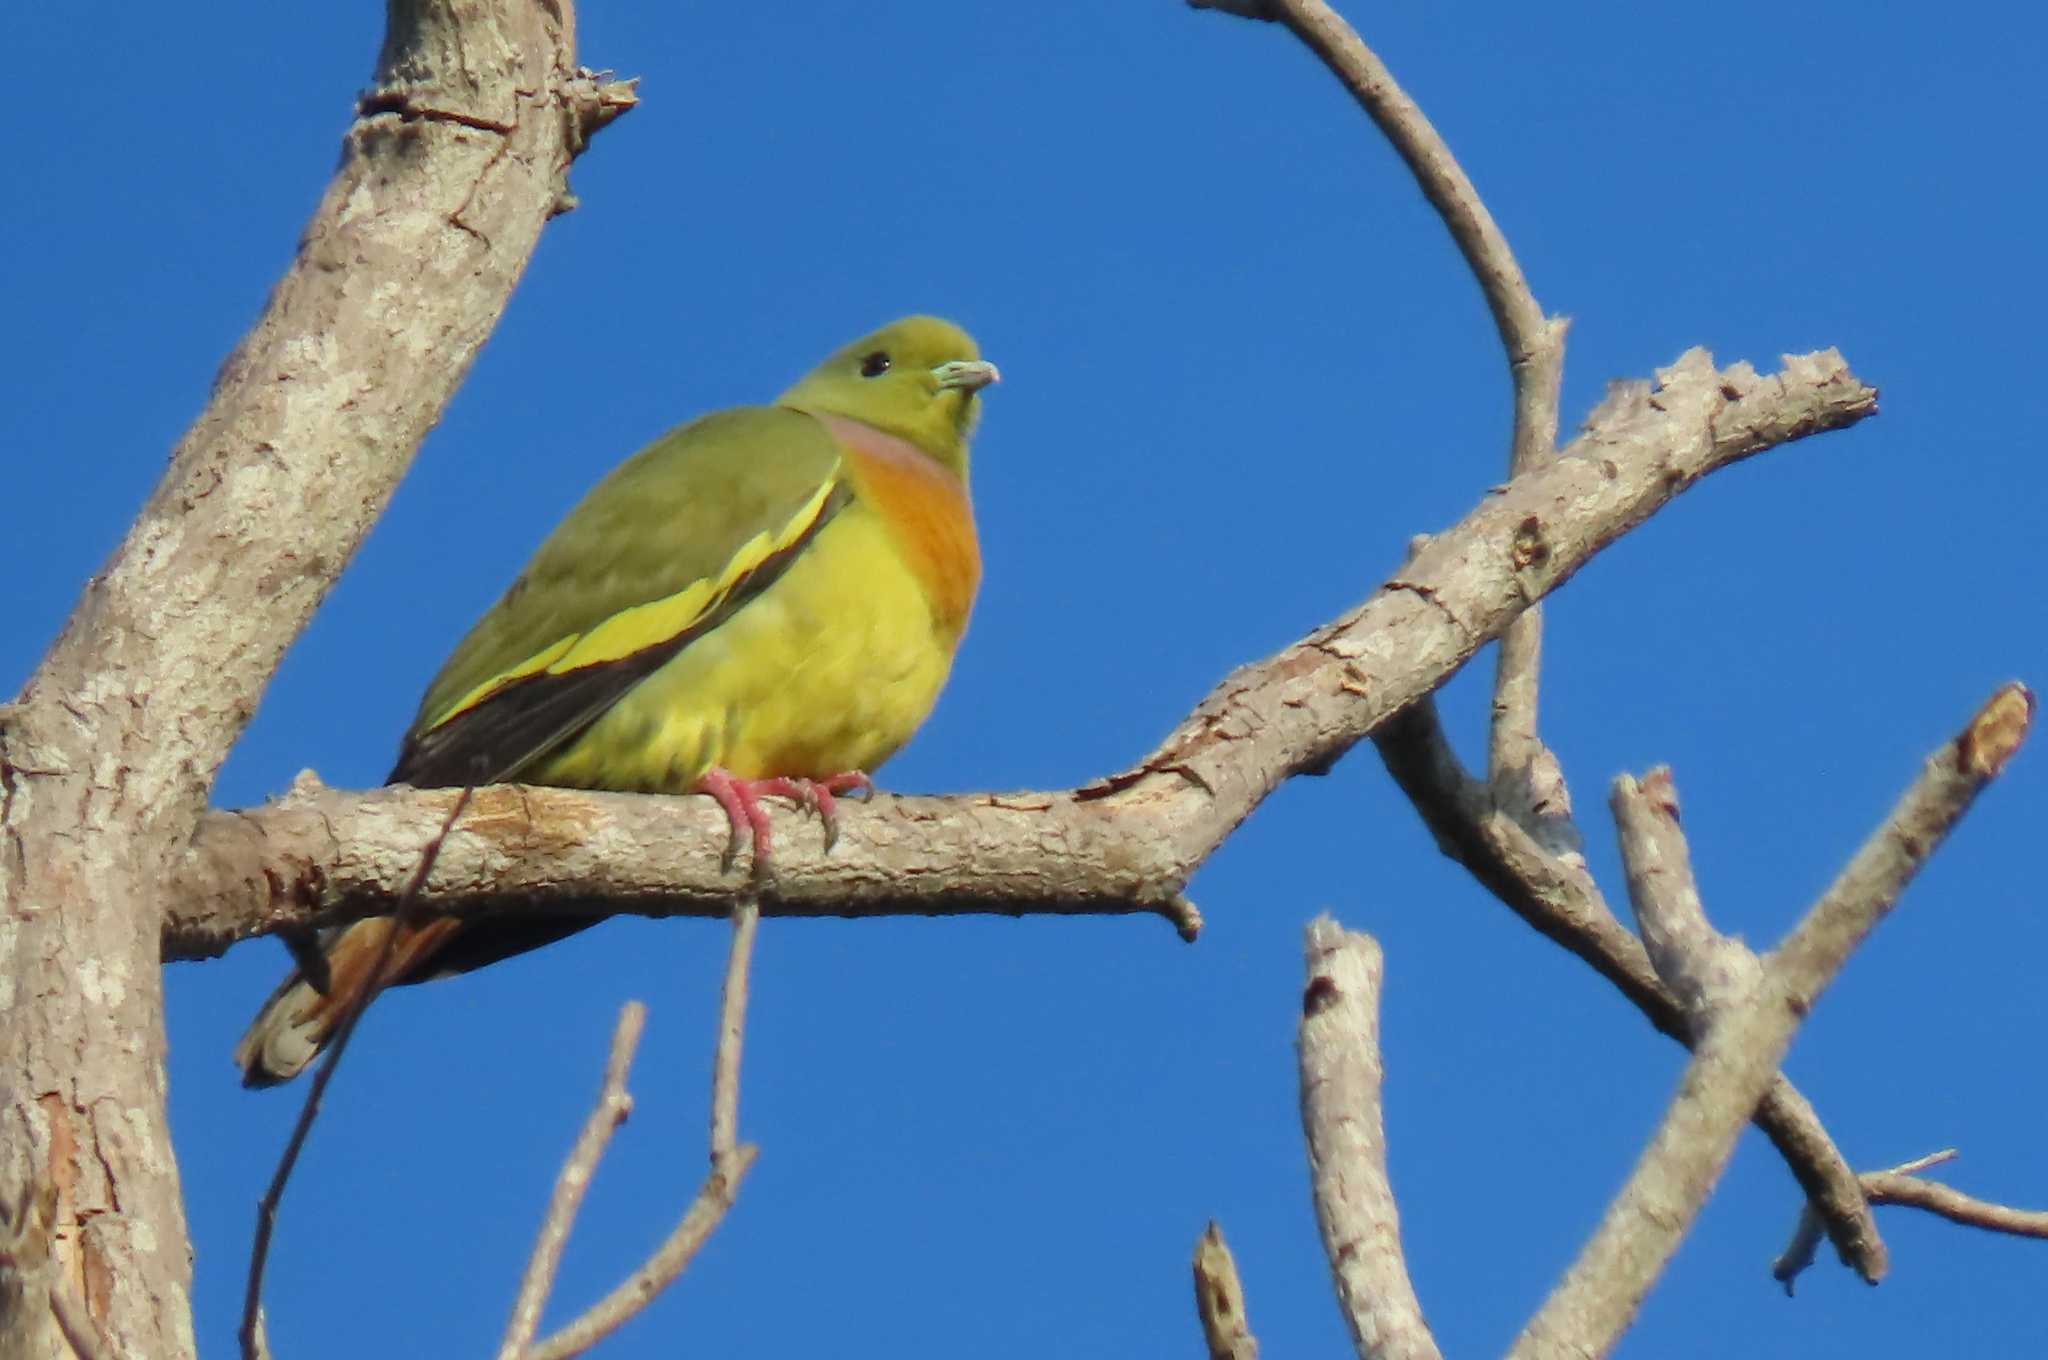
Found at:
<point>454,162</point>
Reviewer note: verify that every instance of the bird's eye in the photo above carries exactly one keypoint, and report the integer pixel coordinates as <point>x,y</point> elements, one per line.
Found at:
<point>874,365</point>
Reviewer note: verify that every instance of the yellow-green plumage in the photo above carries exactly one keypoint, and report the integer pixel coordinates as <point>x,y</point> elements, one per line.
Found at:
<point>829,668</point>
<point>768,591</point>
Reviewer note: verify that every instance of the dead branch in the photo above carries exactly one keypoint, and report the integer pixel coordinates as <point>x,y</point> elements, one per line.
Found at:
<point>1533,341</point>
<point>1891,1187</point>
<point>614,1104</point>
<point>1707,972</point>
<point>729,1162</point>
<point>1519,824</point>
<point>732,1024</point>
<point>1739,1055</point>
<point>1898,1185</point>
<point>1347,1145</point>
<point>1219,1300</point>
<point>1516,831</point>
<point>1557,895</point>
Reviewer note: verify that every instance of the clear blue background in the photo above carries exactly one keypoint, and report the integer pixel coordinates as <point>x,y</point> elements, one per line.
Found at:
<point>1243,365</point>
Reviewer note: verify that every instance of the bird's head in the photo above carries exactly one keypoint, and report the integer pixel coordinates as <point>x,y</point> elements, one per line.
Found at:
<point>915,378</point>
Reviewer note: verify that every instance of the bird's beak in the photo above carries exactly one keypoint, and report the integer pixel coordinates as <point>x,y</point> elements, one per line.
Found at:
<point>966,375</point>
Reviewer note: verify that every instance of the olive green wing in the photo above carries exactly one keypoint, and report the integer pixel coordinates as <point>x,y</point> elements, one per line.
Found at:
<point>663,550</point>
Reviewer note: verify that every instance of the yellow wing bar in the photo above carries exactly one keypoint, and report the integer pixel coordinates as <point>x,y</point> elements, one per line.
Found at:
<point>635,629</point>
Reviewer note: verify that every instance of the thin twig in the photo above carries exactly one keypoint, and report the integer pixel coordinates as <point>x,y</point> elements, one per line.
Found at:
<point>1559,898</point>
<point>1898,1185</point>
<point>721,1187</point>
<point>251,1333</point>
<point>1523,327</point>
<point>1920,1163</point>
<point>1219,1300</point>
<point>614,1104</point>
<point>1347,1146</point>
<point>1738,1057</point>
<point>729,1162</point>
<point>732,1021</point>
<point>1891,1187</point>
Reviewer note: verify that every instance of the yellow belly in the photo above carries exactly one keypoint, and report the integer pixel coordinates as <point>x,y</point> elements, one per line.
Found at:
<point>829,669</point>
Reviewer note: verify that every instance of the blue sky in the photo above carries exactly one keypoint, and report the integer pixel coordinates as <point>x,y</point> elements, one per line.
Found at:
<point>1243,365</point>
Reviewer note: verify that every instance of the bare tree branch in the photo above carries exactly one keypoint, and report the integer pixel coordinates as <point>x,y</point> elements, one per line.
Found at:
<point>454,162</point>
<point>1557,895</point>
<point>1517,761</point>
<point>1898,1185</point>
<point>1526,791</point>
<point>1347,1145</point>
<point>1707,971</point>
<point>732,1024</point>
<point>729,1162</point>
<point>1891,1187</point>
<point>614,1104</point>
<point>1533,342</point>
<point>1806,1233</point>
<point>1710,972</point>
<point>1126,843</point>
<point>1869,885</point>
<point>1524,330</point>
<point>252,1334</point>
<point>1738,1056</point>
<point>1219,1300</point>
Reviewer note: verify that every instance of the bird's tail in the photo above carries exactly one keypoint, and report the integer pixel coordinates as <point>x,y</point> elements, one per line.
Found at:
<point>300,1016</point>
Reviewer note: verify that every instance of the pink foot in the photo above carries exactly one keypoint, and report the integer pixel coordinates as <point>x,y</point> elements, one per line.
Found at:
<point>741,799</point>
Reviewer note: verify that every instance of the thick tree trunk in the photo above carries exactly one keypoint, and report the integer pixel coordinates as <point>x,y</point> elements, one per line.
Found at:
<point>454,163</point>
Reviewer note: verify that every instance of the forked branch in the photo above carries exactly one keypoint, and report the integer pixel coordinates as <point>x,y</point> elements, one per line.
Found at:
<point>1900,1185</point>
<point>1739,1055</point>
<point>614,1104</point>
<point>730,1159</point>
<point>1559,897</point>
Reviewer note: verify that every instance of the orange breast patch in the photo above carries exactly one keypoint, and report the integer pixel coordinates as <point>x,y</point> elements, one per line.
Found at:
<point>927,510</point>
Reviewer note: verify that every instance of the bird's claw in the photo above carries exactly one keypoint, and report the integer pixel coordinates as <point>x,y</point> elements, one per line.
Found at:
<point>741,799</point>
